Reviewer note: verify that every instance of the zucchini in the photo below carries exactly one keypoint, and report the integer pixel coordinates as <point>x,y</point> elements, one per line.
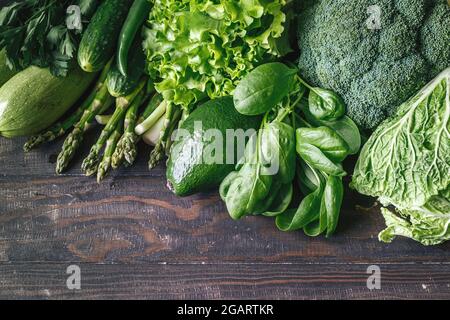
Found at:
<point>5,72</point>
<point>99,41</point>
<point>121,86</point>
<point>34,99</point>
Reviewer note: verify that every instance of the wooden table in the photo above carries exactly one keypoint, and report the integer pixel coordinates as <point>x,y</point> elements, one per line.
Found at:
<point>131,238</point>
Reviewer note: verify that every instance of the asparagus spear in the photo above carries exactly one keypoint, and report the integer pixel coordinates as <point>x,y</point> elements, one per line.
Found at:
<point>111,144</point>
<point>73,141</point>
<point>175,123</point>
<point>90,164</point>
<point>127,147</point>
<point>178,117</point>
<point>172,117</point>
<point>60,128</point>
<point>102,119</point>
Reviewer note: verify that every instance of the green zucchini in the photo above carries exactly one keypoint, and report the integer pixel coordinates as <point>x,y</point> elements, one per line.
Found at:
<point>121,86</point>
<point>99,41</point>
<point>34,99</point>
<point>5,72</point>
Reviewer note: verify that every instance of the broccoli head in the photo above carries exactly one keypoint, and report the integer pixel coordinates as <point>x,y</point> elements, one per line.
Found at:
<point>375,54</point>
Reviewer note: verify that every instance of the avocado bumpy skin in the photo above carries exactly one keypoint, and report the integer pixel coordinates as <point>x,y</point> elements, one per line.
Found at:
<point>374,71</point>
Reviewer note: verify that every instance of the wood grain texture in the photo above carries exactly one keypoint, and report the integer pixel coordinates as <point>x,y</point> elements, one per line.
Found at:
<point>223,281</point>
<point>134,239</point>
<point>129,219</point>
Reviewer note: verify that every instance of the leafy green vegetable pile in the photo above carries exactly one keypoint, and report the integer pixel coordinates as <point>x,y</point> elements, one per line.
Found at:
<point>374,69</point>
<point>151,70</point>
<point>199,48</point>
<point>35,32</point>
<point>406,163</point>
<point>308,138</point>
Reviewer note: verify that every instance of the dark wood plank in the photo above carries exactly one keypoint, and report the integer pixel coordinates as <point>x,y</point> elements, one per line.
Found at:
<point>135,239</point>
<point>137,219</point>
<point>41,162</point>
<point>218,281</point>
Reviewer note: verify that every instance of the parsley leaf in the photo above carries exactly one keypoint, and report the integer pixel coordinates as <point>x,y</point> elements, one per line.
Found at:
<point>34,32</point>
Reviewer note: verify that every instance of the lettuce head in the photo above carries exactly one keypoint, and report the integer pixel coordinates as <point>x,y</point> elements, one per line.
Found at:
<point>202,48</point>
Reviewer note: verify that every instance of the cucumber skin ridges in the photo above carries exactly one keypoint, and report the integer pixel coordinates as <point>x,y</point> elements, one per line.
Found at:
<point>99,41</point>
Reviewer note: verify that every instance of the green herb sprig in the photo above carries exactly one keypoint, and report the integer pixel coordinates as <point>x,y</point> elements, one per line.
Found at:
<point>35,32</point>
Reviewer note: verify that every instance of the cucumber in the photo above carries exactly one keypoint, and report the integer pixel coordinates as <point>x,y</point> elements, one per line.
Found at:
<point>34,99</point>
<point>186,171</point>
<point>99,41</point>
<point>5,72</point>
<point>121,86</point>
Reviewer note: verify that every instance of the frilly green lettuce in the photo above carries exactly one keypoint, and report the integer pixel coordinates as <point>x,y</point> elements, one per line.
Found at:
<point>199,48</point>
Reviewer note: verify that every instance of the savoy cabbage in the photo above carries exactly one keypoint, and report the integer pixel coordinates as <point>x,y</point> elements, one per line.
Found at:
<point>406,163</point>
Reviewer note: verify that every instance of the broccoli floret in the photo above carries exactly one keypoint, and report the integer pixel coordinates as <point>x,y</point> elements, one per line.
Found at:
<point>374,70</point>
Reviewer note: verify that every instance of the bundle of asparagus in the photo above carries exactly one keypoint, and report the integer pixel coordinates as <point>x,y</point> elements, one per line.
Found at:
<point>122,130</point>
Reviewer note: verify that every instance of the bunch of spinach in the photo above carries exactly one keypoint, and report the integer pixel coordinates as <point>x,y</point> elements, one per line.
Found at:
<point>304,134</point>
<point>36,32</point>
<point>262,183</point>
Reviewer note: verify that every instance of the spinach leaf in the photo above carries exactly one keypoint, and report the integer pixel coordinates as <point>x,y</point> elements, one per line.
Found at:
<point>318,160</point>
<point>344,126</point>
<point>325,104</point>
<point>309,179</point>
<point>332,199</point>
<point>281,201</point>
<point>263,88</point>
<point>278,149</point>
<point>307,212</point>
<point>327,140</point>
<point>266,203</point>
<point>243,191</point>
<point>348,130</point>
<point>262,183</point>
<point>317,227</point>
<point>327,216</point>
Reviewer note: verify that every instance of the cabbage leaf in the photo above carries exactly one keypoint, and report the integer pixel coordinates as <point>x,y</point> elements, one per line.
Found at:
<point>406,163</point>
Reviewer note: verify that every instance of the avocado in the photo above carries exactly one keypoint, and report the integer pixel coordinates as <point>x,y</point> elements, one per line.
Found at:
<point>187,170</point>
